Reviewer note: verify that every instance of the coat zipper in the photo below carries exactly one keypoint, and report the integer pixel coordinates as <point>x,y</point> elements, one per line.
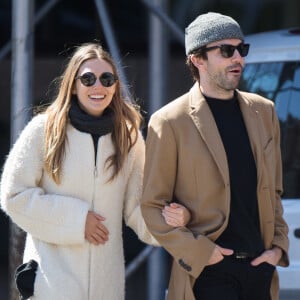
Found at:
<point>92,208</point>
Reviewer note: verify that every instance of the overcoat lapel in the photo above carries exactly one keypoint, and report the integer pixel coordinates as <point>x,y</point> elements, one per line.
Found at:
<point>251,118</point>
<point>205,123</point>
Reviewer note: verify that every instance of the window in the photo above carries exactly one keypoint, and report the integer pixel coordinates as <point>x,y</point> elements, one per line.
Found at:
<point>280,82</point>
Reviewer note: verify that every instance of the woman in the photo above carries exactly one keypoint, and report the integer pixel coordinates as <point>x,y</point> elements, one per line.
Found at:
<point>72,176</point>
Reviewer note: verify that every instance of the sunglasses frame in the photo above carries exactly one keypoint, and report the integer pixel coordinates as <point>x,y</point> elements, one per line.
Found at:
<point>93,78</point>
<point>227,50</point>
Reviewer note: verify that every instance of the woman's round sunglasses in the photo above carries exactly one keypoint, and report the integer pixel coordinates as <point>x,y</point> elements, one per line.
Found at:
<point>228,50</point>
<point>107,79</point>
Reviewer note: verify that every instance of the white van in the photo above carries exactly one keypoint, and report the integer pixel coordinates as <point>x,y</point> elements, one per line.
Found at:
<point>273,70</point>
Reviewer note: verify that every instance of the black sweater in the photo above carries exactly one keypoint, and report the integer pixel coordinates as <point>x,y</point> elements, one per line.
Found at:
<point>243,230</point>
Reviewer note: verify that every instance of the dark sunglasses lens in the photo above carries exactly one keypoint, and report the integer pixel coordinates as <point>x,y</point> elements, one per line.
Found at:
<point>107,79</point>
<point>227,50</point>
<point>88,79</point>
<point>243,49</point>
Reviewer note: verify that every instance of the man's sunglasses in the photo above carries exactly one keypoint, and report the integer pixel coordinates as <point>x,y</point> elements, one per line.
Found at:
<point>107,79</point>
<point>228,50</point>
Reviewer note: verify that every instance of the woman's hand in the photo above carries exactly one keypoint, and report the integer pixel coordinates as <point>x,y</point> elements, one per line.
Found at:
<point>176,215</point>
<point>95,232</point>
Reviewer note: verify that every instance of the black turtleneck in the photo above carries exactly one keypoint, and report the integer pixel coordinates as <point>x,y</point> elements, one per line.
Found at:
<point>243,230</point>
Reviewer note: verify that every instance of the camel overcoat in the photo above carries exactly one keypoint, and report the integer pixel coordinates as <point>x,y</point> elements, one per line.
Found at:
<point>186,162</point>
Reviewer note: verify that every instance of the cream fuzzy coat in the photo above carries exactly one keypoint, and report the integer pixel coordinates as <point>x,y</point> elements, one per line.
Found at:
<point>54,215</point>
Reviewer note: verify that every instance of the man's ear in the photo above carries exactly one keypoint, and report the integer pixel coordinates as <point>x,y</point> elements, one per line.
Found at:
<point>197,61</point>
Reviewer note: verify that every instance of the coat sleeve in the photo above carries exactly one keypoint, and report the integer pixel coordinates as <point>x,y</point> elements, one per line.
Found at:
<point>42,215</point>
<point>132,209</point>
<point>189,251</point>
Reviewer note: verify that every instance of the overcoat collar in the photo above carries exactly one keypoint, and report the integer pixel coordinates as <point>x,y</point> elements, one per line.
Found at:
<point>205,123</point>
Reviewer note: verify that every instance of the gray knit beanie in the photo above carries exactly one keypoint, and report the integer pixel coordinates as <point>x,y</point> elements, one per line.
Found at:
<point>208,28</point>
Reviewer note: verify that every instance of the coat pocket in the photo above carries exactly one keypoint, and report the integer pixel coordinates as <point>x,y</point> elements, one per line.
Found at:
<point>269,146</point>
<point>25,277</point>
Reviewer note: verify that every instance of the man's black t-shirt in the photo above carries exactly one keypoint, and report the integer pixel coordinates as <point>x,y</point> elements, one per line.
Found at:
<point>243,230</point>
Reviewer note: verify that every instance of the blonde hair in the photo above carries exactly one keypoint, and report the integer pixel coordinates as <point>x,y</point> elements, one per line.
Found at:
<point>127,118</point>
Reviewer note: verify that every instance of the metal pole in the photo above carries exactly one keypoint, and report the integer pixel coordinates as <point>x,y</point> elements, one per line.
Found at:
<point>21,102</point>
<point>22,60</point>
<point>38,17</point>
<point>138,260</point>
<point>159,65</point>
<point>158,61</point>
<point>111,41</point>
<point>157,275</point>
<point>178,33</point>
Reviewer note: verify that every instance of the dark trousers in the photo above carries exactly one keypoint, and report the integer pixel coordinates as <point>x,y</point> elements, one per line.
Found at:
<point>234,279</point>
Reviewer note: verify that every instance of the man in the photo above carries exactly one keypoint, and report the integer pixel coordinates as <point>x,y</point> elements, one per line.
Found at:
<point>216,150</point>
